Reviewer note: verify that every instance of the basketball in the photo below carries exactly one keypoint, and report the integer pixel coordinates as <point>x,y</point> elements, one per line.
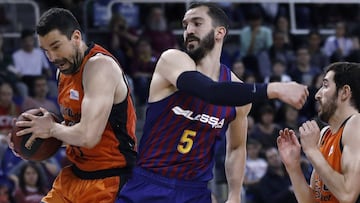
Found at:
<point>41,149</point>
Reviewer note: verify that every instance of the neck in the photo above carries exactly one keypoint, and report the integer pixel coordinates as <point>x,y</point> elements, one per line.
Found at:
<point>210,64</point>
<point>83,47</point>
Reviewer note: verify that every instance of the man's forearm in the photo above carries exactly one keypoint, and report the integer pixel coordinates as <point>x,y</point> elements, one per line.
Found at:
<point>301,188</point>
<point>332,179</point>
<point>234,168</point>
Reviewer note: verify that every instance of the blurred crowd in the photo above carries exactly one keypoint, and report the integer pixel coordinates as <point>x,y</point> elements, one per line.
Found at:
<point>265,50</point>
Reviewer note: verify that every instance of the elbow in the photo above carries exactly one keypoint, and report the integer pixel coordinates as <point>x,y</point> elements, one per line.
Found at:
<point>89,144</point>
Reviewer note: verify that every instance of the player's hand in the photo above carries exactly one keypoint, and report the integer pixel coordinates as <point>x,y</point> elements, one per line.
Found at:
<point>309,136</point>
<point>38,126</point>
<point>289,148</point>
<point>11,144</point>
<point>292,93</point>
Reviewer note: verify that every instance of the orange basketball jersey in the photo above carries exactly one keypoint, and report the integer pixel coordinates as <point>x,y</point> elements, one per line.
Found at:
<point>331,148</point>
<point>116,150</point>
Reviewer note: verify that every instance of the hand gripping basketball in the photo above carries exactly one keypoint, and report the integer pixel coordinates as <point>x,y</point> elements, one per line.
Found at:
<point>40,149</point>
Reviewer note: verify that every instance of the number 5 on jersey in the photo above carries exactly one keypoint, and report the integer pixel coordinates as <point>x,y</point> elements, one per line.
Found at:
<point>186,141</point>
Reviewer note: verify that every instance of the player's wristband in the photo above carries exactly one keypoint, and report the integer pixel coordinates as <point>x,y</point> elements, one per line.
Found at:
<point>220,93</point>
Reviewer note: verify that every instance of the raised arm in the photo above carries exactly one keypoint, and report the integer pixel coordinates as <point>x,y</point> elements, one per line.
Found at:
<point>344,185</point>
<point>176,70</point>
<point>289,150</point>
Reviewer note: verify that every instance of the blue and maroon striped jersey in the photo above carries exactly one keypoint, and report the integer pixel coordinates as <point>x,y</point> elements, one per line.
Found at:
<point>180,135</point>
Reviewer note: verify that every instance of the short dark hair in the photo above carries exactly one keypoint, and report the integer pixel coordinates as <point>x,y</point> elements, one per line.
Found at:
<point>218,16</point>
<point>57,18</point>
<point>347,73</point>
<point>27,33</point>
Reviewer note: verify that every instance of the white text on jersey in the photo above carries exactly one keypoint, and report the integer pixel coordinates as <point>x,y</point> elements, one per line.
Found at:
<point>204,118</point>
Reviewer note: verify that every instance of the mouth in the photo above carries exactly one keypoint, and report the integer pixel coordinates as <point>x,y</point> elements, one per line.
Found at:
<point>191,40</point>
<point>60,65</point>
<point>191,44</point>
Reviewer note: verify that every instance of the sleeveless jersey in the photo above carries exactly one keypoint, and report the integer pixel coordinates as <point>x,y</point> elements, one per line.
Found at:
<point>331,148</point>
<point>116,148</point>
<point>180,134</point>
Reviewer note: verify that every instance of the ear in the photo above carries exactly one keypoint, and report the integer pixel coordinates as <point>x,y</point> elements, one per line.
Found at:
<point>220,32</point>
<point>345,92</point>
<point>76,36</point>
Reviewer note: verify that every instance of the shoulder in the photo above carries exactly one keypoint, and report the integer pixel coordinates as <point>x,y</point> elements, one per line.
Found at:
<point>17,53</point>
<point>353,121</point>
<point>38,51</point>
<point>351,126</point>
<point>100,57</point>
<point>176,57</point>
<point>173,53</point>
<point>330,39</point>
<point>102,60</point>
<point>102,65</point>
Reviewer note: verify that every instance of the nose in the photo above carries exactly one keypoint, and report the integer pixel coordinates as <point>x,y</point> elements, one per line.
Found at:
<point>317,95</point>
<point>190,29</point>
<point>50,55</point>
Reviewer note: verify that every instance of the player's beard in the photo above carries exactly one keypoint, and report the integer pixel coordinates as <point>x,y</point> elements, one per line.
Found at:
<point>75,64</point>
<point>205,46</point>
<point>328,109</point>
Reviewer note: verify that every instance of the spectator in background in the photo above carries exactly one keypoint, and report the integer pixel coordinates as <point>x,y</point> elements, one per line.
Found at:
<point>122,40</point>
<point>289,117</point>
<point>317,56</point>
<point>8,162</point>
<point>255,169</point>
<point>254,40</point>
<point>5,194</point>
<point>265,130</point>
<point>281,50</point>
<point>29,61</point>
<point>5,65</point>
<point>142,68</point>
<point>31,187</point>
<point>38,96</point>
<point>270,10</point>
<point>8,109</point>
<point>302,71</point>
<point>337,47</point>
<point>8,112</point>
<point>48,168</point>
<point>239,69</point>
<point>354,55</point>
<point>156,30</point>
<point>275,186</point>
<point>281,24</point>
<point>279,70</point>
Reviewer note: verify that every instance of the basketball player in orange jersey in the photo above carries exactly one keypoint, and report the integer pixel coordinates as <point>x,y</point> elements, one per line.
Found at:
<point>334,151</point>
<point>99,115</point>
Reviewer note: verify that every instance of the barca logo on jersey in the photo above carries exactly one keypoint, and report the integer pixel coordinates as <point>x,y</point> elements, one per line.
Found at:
<point>203,118</point>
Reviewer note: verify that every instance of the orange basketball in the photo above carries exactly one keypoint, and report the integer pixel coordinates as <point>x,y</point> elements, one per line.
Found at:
<point>41,149</point>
